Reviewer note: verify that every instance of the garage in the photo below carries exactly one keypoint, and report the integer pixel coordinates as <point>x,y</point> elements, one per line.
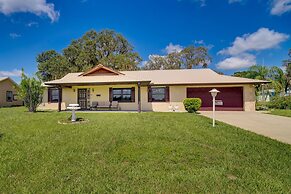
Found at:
<point>229,98</point>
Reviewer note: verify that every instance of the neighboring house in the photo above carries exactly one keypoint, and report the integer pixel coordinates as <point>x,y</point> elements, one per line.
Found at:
<point>151,90</point>
<point>8,93</point>
<point>267,95</point>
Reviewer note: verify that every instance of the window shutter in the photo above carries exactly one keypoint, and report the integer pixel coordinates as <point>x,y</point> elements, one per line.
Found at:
<point>133,94</point>
<point>167,94</point>
<point>48,95</point>
<point>110,95</point>
<point>149,94</point>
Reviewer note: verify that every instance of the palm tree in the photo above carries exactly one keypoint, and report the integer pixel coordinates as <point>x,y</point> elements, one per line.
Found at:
<point>278,79</point>
<point>260,72</point>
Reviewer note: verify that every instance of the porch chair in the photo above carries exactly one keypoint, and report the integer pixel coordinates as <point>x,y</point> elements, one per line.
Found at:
<point>114,105</point>
<point>94,105</point>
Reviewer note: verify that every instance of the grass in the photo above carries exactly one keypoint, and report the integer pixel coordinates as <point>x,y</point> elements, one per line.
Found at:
<point>136,153</point>
<point>285,113</point>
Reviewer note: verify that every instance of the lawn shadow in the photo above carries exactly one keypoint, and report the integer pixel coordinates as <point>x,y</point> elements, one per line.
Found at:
<point>68,120</point>
<point>42,111</point>
<point>1,135</point>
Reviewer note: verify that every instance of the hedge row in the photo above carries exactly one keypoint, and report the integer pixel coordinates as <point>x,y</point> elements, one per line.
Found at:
<point>276,103</point>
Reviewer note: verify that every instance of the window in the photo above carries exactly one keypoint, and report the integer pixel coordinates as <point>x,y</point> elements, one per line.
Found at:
<point>53,95</point>
<point>158,94</point>
<point>122,95</point>
<point>9,96</point>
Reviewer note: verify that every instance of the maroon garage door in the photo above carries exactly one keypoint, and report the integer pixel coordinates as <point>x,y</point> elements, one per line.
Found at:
<point>228,99</point>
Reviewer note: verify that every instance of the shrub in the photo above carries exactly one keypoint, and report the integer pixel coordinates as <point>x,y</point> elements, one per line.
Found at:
<point>192,105</point>
<point>30,91</point>
<point>280,102</point>
<point>262,105</point>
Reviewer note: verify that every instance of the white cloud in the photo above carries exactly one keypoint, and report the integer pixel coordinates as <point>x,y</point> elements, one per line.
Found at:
<point>280,7</point>
<point>171,48</point>
<point>239,53</point>
<point>201,2</point>
<point>143,63</point>
<point>202,43</point>
<point>14,35</point>
<point>38,7</point>
<point>14,73</point>
<point>237,62</point>
<point>31,24</point>
<point>260,40</point>
<point>199,41</point>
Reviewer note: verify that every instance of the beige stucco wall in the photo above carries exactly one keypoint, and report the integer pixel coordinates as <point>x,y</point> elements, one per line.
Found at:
<point>177,95</point>
<point>249,98</point>
<point>7,85</point>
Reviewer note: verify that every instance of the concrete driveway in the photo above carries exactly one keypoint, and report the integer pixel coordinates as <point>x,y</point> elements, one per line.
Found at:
<point>275,127</point>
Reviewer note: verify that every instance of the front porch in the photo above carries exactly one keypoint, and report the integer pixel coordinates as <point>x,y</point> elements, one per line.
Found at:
<point>117,97</point>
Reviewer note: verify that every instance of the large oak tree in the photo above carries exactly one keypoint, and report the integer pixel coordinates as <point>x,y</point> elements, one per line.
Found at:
<point>106,47</point>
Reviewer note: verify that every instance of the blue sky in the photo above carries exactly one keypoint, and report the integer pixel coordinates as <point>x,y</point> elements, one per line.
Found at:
<point>238,33</point>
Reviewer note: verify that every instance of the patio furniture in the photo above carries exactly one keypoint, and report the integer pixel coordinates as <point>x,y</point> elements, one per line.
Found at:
<point>94,105</point>
<point>105,105</point>
<point>114,105</point>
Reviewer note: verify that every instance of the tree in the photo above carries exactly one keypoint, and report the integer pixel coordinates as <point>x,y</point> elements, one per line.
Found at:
<point>246,74</point>
<point>106,47</point>
<point>287,65</point>
<point>261,71</point>
<point>171,61</point>
<point>51,65</point>
<point>194,56</point>
<point>273,74</point>
<point>155,62</point>
<point>188,58</point>
<point>30,91</point>
<point>278,78</point>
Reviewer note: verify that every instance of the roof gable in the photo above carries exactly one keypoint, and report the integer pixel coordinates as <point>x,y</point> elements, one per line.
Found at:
<point>100,70</point>
<point>2,79</point>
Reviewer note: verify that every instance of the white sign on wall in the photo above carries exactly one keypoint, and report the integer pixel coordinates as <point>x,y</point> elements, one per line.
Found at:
<point>218,102</point>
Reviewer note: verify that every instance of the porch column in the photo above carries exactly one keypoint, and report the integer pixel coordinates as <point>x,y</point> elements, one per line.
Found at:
<point>60,99</point>
<point>138,97</point>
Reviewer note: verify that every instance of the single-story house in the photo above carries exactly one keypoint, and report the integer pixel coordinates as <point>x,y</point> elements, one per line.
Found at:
<point>8,93</point>
<point>149,90</point>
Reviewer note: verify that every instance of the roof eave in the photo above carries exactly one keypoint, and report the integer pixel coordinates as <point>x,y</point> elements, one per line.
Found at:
<point>210,83</point>
<point>94,83</point>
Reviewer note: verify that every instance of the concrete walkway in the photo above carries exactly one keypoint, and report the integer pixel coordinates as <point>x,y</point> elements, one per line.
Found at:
<point>275,127</point>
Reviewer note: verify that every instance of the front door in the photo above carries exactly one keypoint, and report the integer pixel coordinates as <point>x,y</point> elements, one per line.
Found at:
<point>82,98</point>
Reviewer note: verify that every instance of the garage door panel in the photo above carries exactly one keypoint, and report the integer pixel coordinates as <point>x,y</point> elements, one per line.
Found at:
<point>232,97</point>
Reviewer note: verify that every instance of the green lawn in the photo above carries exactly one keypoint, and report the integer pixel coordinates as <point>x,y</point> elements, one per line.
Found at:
<point>140,153</point>
<point>285,113</point>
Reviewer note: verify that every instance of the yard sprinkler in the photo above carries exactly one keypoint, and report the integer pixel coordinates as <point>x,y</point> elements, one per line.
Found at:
<point>214,93</point>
